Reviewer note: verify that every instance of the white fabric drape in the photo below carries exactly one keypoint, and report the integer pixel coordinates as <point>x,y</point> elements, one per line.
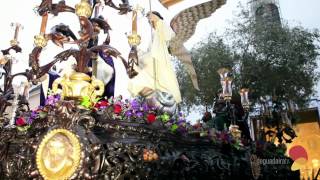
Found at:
<point>166,80</point>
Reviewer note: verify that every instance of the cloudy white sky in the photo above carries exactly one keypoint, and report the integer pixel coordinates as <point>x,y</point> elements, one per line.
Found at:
<point>296,12</point>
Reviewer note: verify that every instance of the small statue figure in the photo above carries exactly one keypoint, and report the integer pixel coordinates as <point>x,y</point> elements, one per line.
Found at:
<point>221,120</point>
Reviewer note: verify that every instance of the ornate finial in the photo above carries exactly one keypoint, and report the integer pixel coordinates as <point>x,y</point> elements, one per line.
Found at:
<point>83,9</point>
<point>134,40</point>
<point>41,40</point>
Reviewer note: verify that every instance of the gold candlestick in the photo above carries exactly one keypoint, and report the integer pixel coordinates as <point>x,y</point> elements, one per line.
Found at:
<point>40,40</point>
<point>134,39</point>
<point>14,41</point>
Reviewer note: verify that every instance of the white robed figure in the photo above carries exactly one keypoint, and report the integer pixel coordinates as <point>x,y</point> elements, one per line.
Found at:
<point>157,72</point>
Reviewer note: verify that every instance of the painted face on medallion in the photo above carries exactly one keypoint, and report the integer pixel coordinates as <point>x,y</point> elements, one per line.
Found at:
<point>57,154</point>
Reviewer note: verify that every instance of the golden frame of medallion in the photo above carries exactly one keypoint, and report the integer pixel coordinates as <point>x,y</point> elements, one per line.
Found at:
<point>58,155</point>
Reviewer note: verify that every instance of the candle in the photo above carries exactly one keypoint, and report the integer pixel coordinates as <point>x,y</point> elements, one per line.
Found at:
<point>44,23</point>
<point>244,98</point>
<point>26,90</point>
<point>14,41</point>
<point>227,88</point>
<point>15,105</point>
<point>16,32</point>
<point>97,9</point>
<point>134,22</point>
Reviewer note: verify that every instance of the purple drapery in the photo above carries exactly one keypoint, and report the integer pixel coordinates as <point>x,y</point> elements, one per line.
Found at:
<point>109,88</point>
<point>52,76</point>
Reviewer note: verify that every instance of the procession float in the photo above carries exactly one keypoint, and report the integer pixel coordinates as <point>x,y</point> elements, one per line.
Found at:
<point>82,131</point>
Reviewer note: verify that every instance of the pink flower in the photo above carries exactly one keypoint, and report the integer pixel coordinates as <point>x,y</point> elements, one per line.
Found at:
<point>21,121</point>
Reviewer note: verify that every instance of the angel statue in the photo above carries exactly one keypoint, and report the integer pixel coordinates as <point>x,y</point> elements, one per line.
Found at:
<point>157,73</point>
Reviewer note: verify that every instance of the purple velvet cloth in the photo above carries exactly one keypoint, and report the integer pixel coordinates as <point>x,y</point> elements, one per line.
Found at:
<point>109,88</point>
<point>52,76</point>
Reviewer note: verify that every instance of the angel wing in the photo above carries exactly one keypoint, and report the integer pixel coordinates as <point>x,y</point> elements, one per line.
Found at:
<point>184,25</point>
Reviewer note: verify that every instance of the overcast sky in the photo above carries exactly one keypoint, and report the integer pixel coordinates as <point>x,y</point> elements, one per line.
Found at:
<point>296,12</point>
<point>305,13</point>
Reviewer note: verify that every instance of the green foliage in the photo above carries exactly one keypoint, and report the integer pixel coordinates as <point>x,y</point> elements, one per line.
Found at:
<point>269,58</point>
<point>88,102</point>
<point>165,117</point>
<point>207,58</point>
<point>174,128</point>
<point>275,60</point>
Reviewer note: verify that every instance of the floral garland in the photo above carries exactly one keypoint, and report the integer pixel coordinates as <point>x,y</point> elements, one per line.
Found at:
<point>137,110</point>
<point>134,110</point>
<point>25,120</point>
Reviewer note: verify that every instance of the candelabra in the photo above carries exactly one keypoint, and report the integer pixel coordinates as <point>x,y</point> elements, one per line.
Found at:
<point>228,112</point>
<point>274,121</point>
<point>8,97</point>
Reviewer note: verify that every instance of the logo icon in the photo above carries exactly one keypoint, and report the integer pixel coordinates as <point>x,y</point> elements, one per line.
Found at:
<point>300,157</point>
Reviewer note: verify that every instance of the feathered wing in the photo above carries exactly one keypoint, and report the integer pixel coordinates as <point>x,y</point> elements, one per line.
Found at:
<point>184,25</point>
<point>185,57</point>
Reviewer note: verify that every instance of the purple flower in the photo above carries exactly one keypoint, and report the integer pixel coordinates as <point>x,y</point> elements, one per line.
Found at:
<point>29,120</point>
<point>57,97</point>
<point>49,100</point>
<point>181,118</point>
<point>139,114</point>
<point>145,107</point>
<point>182,130</point>
<point>52,99</point>
<point>128,113</point>
<point>181,122</point>
<point>33,115</point>
<point>135,105</point>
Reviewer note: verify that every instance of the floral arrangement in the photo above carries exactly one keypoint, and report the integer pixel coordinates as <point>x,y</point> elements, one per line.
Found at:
<point>134,110</point>
<point>137,110</point>
<point>25,120</point>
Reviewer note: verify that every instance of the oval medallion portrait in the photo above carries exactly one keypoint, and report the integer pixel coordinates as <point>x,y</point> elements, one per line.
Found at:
<point>58,155</point>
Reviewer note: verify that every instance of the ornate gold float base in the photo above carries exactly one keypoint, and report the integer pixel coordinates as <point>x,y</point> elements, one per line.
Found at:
<point>78,85</point>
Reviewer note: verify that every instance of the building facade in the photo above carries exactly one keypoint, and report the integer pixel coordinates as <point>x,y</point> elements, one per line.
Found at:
<point>266,11</point>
